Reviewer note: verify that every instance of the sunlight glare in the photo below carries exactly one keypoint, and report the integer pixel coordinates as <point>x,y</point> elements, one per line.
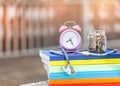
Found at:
<point>1,12</point>
<point>11,12</point>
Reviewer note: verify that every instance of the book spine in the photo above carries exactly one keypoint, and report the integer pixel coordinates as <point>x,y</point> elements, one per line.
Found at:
<point>86,62</point>
<point>104,84</point>
<point>86,68</point>
<point>106,74</point>
<point>53,57</point>
<point>87,81</point>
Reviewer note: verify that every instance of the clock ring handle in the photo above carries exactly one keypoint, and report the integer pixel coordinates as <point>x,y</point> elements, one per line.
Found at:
<point>75,26</point>
<point>68,22</point>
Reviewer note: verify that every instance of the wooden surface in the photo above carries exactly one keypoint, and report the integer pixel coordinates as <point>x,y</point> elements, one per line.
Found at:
<point>43,83</point>
<point>18,71</point>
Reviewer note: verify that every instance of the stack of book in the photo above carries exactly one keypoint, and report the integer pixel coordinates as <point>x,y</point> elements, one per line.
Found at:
<point>90,70</point>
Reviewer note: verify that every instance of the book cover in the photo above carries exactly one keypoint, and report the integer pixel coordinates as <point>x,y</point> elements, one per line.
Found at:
<point>82,62</point>
<point>105,74</point>
<point>84,68</point>
<point>87,81</point>
<point>47,55</point>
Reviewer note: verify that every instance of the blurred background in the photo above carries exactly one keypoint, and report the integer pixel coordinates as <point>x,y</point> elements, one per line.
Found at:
<point>26,26</point>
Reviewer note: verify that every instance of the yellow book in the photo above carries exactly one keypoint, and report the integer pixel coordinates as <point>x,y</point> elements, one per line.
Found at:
<point>83,62</point>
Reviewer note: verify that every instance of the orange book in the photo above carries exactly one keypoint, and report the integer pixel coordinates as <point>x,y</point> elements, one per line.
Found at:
<point>87,81</point>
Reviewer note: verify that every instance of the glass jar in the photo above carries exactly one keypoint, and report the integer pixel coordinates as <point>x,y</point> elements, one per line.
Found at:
<point>97,41</point>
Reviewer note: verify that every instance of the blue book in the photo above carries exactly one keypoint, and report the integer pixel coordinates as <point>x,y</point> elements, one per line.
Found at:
<point>48,56</point>
<point>104,74</point>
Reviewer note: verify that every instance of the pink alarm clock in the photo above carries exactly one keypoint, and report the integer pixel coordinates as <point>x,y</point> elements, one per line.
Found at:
<point>70,39</point>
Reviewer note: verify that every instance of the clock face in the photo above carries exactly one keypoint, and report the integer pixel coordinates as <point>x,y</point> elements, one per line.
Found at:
<point>70,39</point>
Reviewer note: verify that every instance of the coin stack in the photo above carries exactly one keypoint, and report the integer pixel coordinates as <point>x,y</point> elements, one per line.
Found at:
<point>97,41</point>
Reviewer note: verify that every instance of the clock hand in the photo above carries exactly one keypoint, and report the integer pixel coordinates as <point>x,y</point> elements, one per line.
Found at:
<point>68,40</point>
<point>71,41</point>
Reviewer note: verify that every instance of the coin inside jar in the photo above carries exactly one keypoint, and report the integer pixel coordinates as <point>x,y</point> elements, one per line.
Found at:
<point>97,41</point>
